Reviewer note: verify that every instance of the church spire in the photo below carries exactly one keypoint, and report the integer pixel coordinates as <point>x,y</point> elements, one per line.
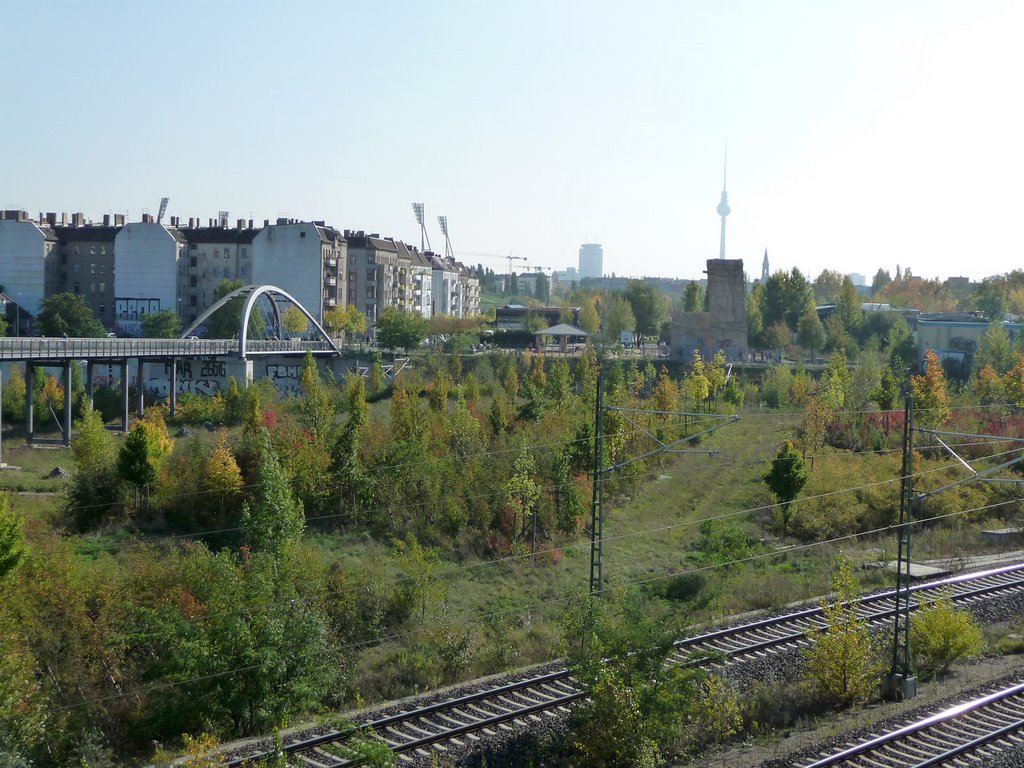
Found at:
<point>764,268</point>
<point>723,206</point>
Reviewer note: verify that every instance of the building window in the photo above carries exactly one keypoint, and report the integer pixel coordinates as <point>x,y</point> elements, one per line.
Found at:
<point>77,288</point>
<point>75,269</point>
<point>92,269</point>
<point>245,253</point>
<point>103,309</point>
<point>103,250</point>
<point>227,253</point>
<point>103,268</point>
<point>64,258</point>
<point>192,300</point>
<point>302,234</point>
<point>193,262</point>
<point>103,287</point>
<point>63,277</point>
<point>244,271</point>
<point>192,281</point>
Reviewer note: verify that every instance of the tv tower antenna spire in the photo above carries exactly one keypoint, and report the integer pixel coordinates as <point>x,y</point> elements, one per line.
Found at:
<point>723,205</point>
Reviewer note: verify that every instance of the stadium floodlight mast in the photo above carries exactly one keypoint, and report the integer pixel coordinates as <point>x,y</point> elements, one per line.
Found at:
<point>417,209</point>
<point>443,221</point>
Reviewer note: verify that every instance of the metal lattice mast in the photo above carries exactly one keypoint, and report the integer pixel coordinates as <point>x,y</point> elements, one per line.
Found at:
<point>597,507</point>
<point>901,662</point>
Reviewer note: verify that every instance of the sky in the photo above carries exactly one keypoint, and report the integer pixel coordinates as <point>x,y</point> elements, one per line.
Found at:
<point>861,135</point>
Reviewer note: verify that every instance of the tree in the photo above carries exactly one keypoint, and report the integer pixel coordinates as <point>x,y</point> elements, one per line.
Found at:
<point>590,321</point>
<point>810,332</point>
<point>521,494</point>
<point>317,406</point>
<point>994,349</point>
<point>376,375</point>
<point>931,399</point>
<point>144,451</point>
<point>12,540</point>
<point>344,320</point>
<point>14,393</point>
<point>1013,383</point>
<point>887,394</point>
<point>396,328</point>
<point>650,308</point>
<point>346,466</point>
<point>68,314</point>
<point>941,635</point>
<point>95,488</point>
<point>617,316</point>
<point>991,299</point>
<point>848,306</point>
<point>786,479</point>
<point>693,297</point>
<point>226,321</point>
<point>988,386</point>
<point>163,324</point>
<point>826,286</point>
<point>784,298</point>
<point>222,477</point>
<point>755,318</point>
<point>272,518</point>
<point>779,335</point>
<point>840,666</point>
<point>880,280</point>
<point>294,322</point>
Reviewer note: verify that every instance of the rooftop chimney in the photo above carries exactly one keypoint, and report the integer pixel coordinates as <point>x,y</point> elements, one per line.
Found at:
<point>266,222</point>
<point>78,219</point>
<point>51,219</point>
<point>63,219</point>
<point>118,219</point>
<point>250,223</point>
<point>106,219</point>
<point>191,222</point>
<point>241,223</point>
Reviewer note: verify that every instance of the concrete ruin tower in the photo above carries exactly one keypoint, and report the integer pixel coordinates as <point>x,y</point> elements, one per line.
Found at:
<point>723,206</point>
<point>764,268</point>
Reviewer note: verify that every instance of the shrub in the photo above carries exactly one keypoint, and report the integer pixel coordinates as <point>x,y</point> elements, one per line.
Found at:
<point>941,635</point>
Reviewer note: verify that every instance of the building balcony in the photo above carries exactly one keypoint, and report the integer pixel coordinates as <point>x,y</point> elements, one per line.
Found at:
<point>331,281</point>
<point>331,263</point>
<point>330,301</point>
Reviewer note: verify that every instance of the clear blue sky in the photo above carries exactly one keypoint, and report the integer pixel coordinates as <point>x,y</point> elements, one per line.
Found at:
<point>861,134</point>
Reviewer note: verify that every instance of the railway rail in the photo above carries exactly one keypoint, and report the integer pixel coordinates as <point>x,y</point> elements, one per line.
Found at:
<point>415,732</point>
<point>973,731</point>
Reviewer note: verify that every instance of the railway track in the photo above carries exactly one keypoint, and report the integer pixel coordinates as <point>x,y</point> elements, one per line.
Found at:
<point>414,733</point>
<point>973,732</point>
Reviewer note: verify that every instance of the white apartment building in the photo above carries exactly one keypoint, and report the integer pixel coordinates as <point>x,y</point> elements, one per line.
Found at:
<point>146,258</point>
<point>28,256</point>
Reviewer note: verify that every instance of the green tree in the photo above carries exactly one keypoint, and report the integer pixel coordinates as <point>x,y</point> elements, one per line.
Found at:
<point>784,298</point>
<point>317,406</point>
<point>786,479</point>
<point>294,322</point>
<point>650,308</point>
<point>68,314</point>
<point>376,375</point>
<point>272,518</point>
<point>95,488</point>
<point>14,393</point>
<point>23,707</point>
<point>693,297</point>
<point>991,299</point>
<point>222,478</point>
<point>12,539</point>
<point>841,666</point>
<point>995,349</point>
<point>826,286</point>
<point>164,324</point>
<point>396,328</point>
<point>848,305</point>
<point>989,386</point>
<point>521,494</point>
<point>941,635</point>
<point>880,280</point>
<point>346,467</point>
<point>810,333</point>
<point>617,316</point>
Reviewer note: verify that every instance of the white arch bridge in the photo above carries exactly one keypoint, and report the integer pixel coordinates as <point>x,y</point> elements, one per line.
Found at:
<point>261,332</point>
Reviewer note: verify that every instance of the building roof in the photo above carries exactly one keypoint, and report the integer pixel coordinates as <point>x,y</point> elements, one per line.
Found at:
<point>562,329</point>
<point>218,234</point>
<point>329,234</point>
<point>92,233</point>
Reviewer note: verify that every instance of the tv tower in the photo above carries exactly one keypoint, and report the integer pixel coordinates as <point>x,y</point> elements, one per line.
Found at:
<point>723,206</point>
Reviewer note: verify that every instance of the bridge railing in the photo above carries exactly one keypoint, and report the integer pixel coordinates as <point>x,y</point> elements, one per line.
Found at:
<point>37,348</point>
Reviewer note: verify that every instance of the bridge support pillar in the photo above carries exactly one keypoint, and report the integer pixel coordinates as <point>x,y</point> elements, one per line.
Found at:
<point>90,369</point>
<point>30,371</point>
<point>140,387</point>
<point>242,370</point>
<point>172,389</point>
<point>67,402</point>
<point>123,365</point>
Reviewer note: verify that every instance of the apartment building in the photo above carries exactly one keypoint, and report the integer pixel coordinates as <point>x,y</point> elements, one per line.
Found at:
<point>146,265</point>
<point>28,263</point>
<point>372,279</point>
<point>308,259</point>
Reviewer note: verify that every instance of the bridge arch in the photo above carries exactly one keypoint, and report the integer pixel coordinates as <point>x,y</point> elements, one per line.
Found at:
<point>252,294</point>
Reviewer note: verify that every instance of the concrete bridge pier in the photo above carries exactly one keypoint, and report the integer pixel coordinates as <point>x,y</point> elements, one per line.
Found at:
<point>125,409</point>
<point>67,402</point>
<point>30,370</point>
<point>90,368</point>
<point>172,390</point>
